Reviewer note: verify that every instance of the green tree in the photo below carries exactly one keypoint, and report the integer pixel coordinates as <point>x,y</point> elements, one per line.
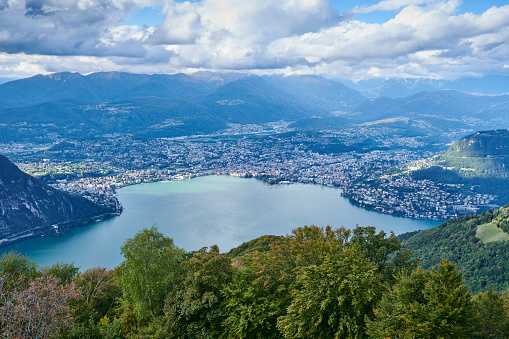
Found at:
<point>491,315</point>
<point>65,272</point>
<point>253,303</point>
<point>261,291</point>
<point>99,292</point>
<point>194,305</point>
<point>16,270</point>
<point>150,267</point>
<point>425,304</point>
<point>332,299</point>
<point>383,251</point>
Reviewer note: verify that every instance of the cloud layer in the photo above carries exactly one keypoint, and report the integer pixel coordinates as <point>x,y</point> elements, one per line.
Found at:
<point>425,38</point>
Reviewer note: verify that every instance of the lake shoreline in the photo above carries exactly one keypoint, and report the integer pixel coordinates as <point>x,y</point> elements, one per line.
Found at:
<point>208,210</point>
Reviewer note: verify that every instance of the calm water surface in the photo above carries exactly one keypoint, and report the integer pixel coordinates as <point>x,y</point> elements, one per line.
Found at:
<point>205,211</point>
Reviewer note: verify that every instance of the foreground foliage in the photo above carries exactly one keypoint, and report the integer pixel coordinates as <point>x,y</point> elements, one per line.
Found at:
<point>148,272</point>
<point>315,283</point>
<point>484,265</point>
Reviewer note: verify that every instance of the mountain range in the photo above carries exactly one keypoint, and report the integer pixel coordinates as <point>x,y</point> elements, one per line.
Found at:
<point>47,107</point>
<point>402,87</point>
<point>29,207</point>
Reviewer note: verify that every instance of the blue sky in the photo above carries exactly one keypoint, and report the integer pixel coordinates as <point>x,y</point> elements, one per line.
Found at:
<point>153,16</point>
<point>355,40</point>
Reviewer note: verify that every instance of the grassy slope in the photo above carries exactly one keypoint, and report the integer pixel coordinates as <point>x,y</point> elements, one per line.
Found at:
<point>490,232</point>
<point>484,264</point>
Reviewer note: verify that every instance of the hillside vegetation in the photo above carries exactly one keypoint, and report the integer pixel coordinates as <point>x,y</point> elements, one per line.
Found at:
<point>476,243</point>
<point>313,283</point>
<point>479,161</point>
<point>483,154</point>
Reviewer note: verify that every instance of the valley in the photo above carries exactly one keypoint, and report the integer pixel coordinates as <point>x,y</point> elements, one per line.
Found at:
<point>350,159</point>
<point>281,130</point>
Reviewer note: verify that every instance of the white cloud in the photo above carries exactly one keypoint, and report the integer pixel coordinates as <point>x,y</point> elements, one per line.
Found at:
<point>426,38</point>
<point>388,5</point>
<point>178,27</point>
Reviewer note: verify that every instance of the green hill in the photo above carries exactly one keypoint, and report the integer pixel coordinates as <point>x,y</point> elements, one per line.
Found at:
<point>483,154</point>
<point>479,161</point>
<point>476,243</point>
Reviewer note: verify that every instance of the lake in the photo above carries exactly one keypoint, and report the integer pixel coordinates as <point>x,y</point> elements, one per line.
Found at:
<point>204,211</point>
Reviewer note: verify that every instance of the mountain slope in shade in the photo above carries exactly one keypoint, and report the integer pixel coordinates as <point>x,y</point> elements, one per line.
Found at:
<point>99,87</point>
<point>318,92</point>
<point>442,109</point>
<point>29,208</point>
<point>254,100</point>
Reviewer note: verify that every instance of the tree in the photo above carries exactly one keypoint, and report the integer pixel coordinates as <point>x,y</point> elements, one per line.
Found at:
<point>383,251</point>
<point>332,300</point>
<point>150,267</point>
<point>63,271</point>
<point>99,292</point>
<point>491,315</point>
<point>253,304</point>
<point>194,305</point>
<point>425,304</point>
<point>17,270</point>
<point>40,311</point>
<point>262,290</point>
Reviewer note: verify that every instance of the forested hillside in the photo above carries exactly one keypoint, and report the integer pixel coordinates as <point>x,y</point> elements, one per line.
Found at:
<point>46,108</point>
<point>479,161</point>
<point>476,243</point>
<point>314,283</point>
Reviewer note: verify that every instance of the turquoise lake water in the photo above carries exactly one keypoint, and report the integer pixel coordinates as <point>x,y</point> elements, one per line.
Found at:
<point>204,211</point>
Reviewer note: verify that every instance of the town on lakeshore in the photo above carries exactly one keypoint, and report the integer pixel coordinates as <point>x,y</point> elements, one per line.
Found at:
<point>357,160</point>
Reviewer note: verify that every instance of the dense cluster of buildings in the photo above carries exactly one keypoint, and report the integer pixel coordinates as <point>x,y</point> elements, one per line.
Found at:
<point>96,168</point>
<point>422,199</point>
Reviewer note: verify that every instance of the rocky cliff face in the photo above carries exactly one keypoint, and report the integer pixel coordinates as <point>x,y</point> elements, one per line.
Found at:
<point>29,207</point>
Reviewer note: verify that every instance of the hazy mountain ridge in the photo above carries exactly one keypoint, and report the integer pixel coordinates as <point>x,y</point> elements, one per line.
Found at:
<point>451,108</point>
<point>254,100</point>
<point>99,87</point>
<point>69,104</point>
<point>319,92</point>
<point>402,87</point>
<point>29,207</point>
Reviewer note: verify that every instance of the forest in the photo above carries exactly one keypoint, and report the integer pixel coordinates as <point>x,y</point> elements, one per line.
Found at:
<point>479,162</point>
<point>314,283</point>
<point>485,264</point>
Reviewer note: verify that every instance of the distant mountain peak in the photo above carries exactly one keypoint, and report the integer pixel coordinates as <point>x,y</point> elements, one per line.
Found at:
<point>61,76</point>
<point>106,75</point>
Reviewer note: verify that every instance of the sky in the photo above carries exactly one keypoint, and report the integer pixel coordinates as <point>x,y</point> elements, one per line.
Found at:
<point>345,39</point>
